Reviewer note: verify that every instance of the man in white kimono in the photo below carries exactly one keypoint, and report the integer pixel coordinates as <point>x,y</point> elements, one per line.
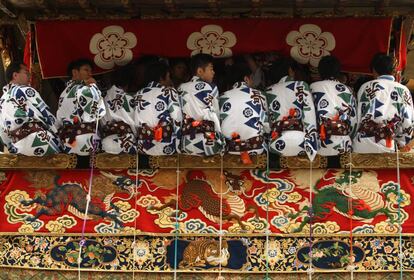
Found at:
<point>80,108</point>
<point>243,115</point>
<point>201,133</point>
<point>27,125</point>
<point>118,127</point>
<point>291,113</point>
<point>335,109</point>
<point>385,111</point>
<point>157,113</point>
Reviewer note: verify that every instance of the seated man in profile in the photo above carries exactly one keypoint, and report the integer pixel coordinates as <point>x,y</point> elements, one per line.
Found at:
<point>243,115</point>
<point>27,125</point>
<point>201,133</point>
<point>335,109</point>
<point>118,128</point>
<point>80,107</point>
<point>157,113</point>
<point>291,112</point>
<point>385,111</point>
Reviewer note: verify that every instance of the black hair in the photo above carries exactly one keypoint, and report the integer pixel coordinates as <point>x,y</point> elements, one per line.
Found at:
<point>14,67</point>
<point>123,76</point>
<point>176,61</point>
<point>383,64</point>
<point>200,60</point>
<point>279,69</point>
<point>77,64</point>
<point>155,72</point>
<point>237,72</point>
<point>360,81</point>
<point>329,67</point>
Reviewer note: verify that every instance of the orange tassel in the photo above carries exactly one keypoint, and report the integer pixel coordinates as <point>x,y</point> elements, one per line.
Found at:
<point>245,158</point>
<point>292,112</point>
<point>158,133</point>
<point>388,142</point>
<point>335,118</point>
<point>234,135</point>
<point>73,144</point>
<point>322,132</point>
<point>274,135</point>
<point>195,123</point>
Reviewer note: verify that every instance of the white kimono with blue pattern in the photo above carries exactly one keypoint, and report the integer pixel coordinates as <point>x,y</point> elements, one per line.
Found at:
<point>157,106</point>
<point>80,103</point>
<point>384,102</point>
<point>199,101</point>
<point>120,109</point>
<point>21,107</point>
<point>291,100</point>
<point>243,114</point>
<point>334,101</point>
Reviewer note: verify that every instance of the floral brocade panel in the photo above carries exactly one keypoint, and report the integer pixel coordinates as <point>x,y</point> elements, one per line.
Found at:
<point>201,254</point>
<point>247,201</point>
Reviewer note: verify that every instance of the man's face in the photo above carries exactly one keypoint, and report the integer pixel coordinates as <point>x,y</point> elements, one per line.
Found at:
<point>84,73</point>
<point>206,73</point>
<point>22,77</point>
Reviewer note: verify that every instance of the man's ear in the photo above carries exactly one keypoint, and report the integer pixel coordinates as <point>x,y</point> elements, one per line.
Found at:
<point>199,71</point>
<point>291,72</point>
<point>74,73</point>
<point>14,77</point>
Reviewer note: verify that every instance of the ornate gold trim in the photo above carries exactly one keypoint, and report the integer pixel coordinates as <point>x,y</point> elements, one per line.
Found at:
<point>378,161</point>
<point>111,161</point>
<point>58,161</point>
<point>213,162</point>
<point>303,162</point>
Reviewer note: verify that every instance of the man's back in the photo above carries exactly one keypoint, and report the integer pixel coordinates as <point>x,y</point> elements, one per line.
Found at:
<point>385,113</point>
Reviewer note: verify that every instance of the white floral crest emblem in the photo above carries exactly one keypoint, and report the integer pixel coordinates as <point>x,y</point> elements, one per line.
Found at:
<point>212,40</point>
<point>112,46</point>
<point>310,44</point>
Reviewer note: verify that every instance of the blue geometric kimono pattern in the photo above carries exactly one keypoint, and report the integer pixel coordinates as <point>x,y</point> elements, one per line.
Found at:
<point>291,100</point>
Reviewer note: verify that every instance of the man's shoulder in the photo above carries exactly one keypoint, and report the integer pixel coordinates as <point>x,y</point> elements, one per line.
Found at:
<point>197,86</point>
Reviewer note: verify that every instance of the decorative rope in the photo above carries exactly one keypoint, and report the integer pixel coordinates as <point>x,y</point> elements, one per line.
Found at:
<point>267,215</point>
<point>88,196</point>
<point>221,233</point>
<point>310,270</point>
<point>177,225</point>
<point>399,200</point>
<point>135,207</point>
<point>351,266</point>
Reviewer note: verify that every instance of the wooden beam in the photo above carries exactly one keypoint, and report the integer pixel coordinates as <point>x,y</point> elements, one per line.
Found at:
<point>256,7</point>
<point>298,8</point>
<point>381,6</point>
<point>171,7</point>
<point>87,6</point>
<point>8,9</point>
<point>214,6</point>
<point>45,6</point>
<point>339,8</point>
<point>128,6</point>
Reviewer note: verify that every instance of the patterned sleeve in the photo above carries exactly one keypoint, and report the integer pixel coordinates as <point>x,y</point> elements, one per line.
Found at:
<point>212,110</point>
<point>405,129</point>
<point>43,111</point>
<point>264,117</point>
<point>91,103</point>
<point>4,139</point>
<point>175,110</point>
<point>309,122</point>
<point>353,115</point>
